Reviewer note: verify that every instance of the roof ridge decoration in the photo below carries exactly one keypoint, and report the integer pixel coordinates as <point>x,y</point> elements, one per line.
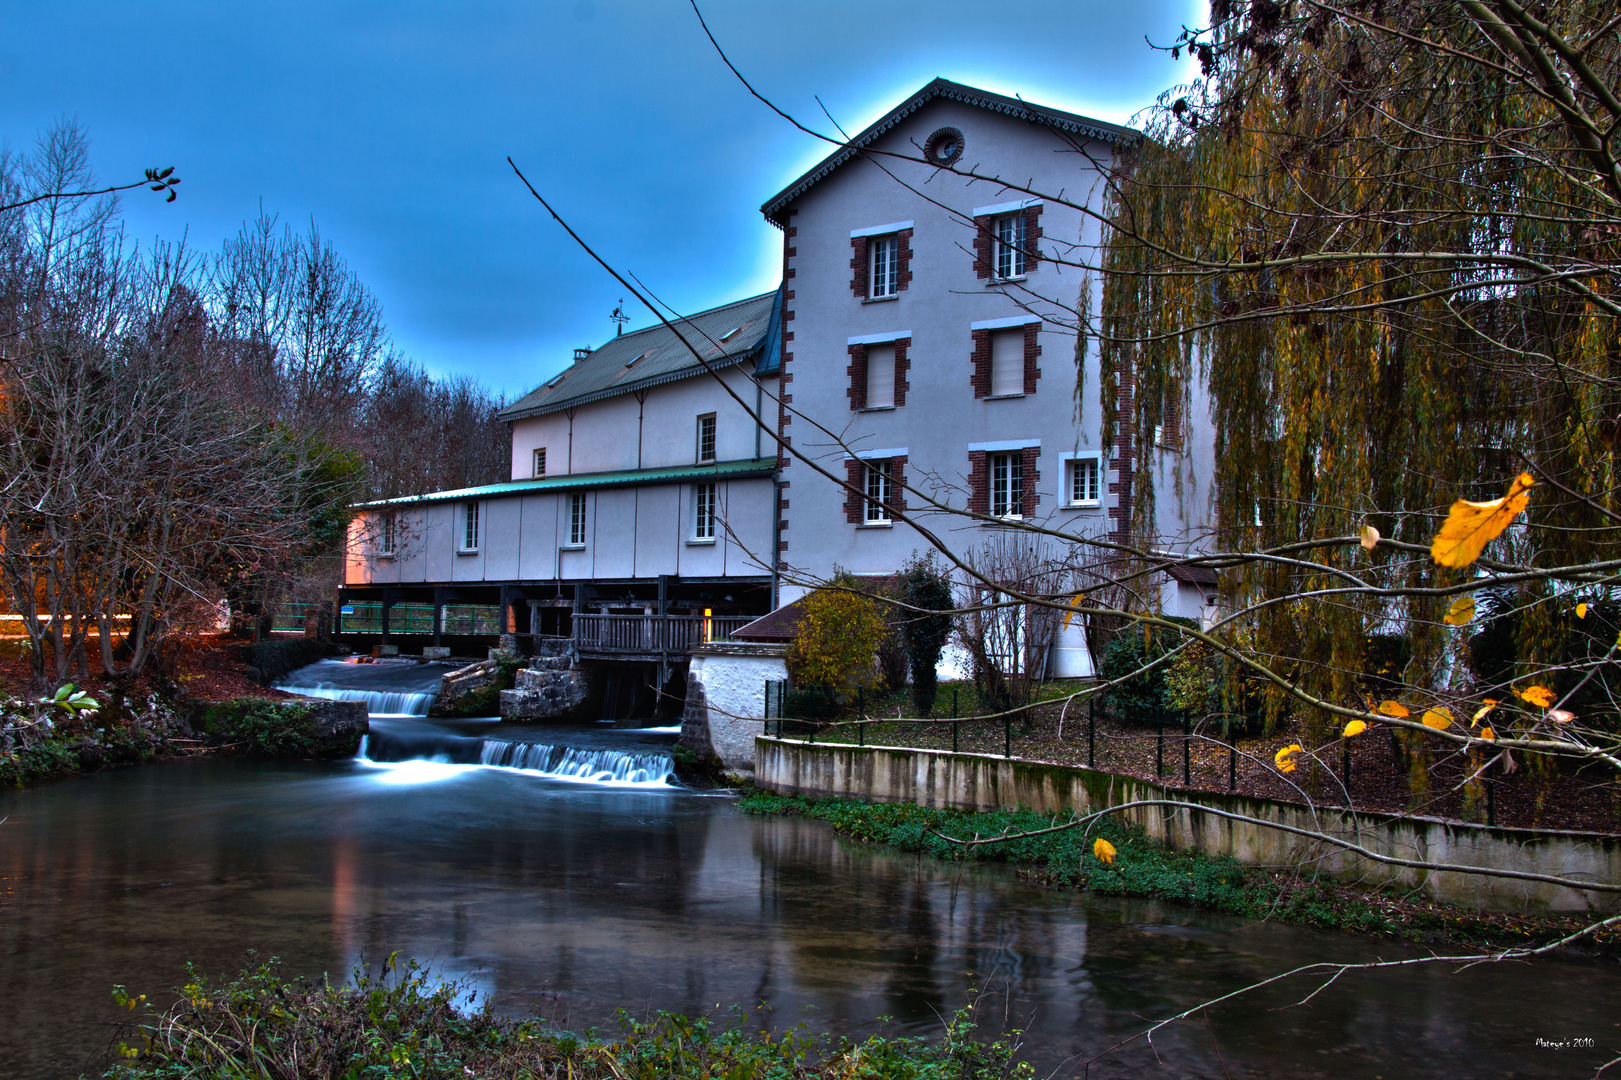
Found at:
<point>1101,130</point>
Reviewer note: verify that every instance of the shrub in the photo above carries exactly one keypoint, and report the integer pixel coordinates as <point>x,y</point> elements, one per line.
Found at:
<point>926,584</point>
<point>1204,681</point>
<point>838,636</point>
<point>1124,659</point>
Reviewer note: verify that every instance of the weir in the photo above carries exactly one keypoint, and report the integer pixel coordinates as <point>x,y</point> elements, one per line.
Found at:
<point>398,696</point>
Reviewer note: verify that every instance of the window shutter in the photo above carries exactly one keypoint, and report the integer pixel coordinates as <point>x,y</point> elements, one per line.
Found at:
<point>1007,362</point>
<point>880,376</point>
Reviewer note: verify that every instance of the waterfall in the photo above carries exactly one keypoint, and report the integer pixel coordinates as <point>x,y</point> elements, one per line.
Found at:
<point>576,763</point>
<point>378,702</point>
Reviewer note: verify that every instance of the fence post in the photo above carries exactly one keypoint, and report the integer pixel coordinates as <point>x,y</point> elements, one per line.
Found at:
<point>954,726</point>
<point>1007,736</point>
<point>954,705</point>
<point>861,733</point>
<point>1187,753</point>
<point>1159,744</point>
<point>1491,798</point>
<point>1345,770</point>
<point>1091,733</point>
<point>1232,760</point>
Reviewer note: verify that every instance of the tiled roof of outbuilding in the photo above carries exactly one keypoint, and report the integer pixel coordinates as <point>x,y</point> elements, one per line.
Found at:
<point>723,336</point>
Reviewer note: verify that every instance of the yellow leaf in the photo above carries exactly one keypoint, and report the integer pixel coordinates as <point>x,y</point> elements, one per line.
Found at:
<point>1394,708</point>
<point>1370,537</point>
<point>1355,727</point>
<point>1103,850</point>
<point>1482,711</point>
<point>1461,611</point>
<point>1439,719</point>
<point>1470,526</point>
<point>1540,696</point>
<point>1581,611</point>
<point>1073,604</point>
<point>1561,716</point>
<point>1285,758</point>
<point>1488,734</point>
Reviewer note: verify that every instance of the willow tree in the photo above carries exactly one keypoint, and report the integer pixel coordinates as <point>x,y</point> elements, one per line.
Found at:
<point>1386,238</point>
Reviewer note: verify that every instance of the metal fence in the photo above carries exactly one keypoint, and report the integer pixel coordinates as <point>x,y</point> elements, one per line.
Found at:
<point>367,618</point>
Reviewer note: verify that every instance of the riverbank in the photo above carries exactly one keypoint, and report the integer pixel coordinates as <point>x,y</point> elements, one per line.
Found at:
<point>403,1023</point>
<point>1142,868</point>
<point>207,699</point>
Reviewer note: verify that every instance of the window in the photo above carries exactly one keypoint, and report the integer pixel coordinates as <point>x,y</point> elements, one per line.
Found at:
<point>883,258</point>
<point>1085,482</point>
<point>1007,485</point>
<point>880,376</point>
<point>1010,245</point>
<point>576,519</point>
<point>385,535</point>
<point>703,512</point>
<point>1007,362</point>
<point>706,438</point>
<point>470,526</point>
<point>540,461</point>
<point>880,493</point>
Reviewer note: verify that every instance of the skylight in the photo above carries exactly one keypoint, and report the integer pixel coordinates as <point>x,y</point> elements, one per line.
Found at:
<point>632,361</point>
<point>730,334</point>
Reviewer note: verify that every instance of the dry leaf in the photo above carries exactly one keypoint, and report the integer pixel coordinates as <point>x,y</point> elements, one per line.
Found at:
<point>1439,719</point>
<point>1355,727</point>
<point>1461,611</point>
<point>1561,716</point>
<point>1103,850</point>
<point>1581,611</point>
<point>1482,711</point>
<point>1285,758</point>
<point>1488,734</point>
<point>1540,696</point>
<point>1370,537</point>
<point>1394,708</point>
<point>1470,526</point>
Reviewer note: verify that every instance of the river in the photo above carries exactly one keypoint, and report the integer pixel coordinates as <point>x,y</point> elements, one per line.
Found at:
<point>574,894</point>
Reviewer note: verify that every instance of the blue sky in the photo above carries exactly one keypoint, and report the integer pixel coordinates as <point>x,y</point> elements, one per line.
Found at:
<point>389,124</point>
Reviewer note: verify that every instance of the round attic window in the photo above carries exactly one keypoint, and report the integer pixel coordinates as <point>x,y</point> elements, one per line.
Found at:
<point>944,147</point>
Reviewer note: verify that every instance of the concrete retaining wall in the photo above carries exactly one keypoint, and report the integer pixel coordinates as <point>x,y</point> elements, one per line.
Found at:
<point>983,782</point>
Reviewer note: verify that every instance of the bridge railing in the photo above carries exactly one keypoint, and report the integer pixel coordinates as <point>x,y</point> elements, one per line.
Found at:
<point>652,633</point>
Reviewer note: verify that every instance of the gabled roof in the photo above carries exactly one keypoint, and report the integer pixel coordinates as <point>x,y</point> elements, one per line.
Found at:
<point>1084,126</point>
<point>724,336</point>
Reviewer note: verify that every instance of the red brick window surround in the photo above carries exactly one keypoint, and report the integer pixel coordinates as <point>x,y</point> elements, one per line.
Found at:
<point>868,387</point>
<point>881,261</point>
<point>875,489</point>
<point>984,378</point>
<point>1002,481</point>
<point>995,259</point>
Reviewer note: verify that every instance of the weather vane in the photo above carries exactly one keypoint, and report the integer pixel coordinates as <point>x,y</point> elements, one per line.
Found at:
<point>619,317</point>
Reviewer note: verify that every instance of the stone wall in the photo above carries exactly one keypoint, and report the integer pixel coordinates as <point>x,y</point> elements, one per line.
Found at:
<point>726,700</point>
<point>984,782</point>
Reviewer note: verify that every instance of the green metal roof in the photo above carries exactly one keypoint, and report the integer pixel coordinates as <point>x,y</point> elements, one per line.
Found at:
<point>720,470</point>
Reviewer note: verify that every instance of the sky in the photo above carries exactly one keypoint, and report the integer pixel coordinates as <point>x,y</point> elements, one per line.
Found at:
<point>388,125</point>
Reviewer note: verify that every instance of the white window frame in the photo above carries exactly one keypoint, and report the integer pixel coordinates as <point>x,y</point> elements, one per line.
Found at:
<point>1007,492</point>
<point>1074,464</point>
<point>538,457</point>
<point>576,519</point>
<point>387,541</point>
<point>1009,244</point>
<point>471,526</point>
<point>709,420</point>
<point>705,502</point>
<point>883,266</point>
<point>879,488</point>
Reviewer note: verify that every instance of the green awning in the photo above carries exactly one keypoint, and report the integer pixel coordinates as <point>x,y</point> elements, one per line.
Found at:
<point>720,470</point>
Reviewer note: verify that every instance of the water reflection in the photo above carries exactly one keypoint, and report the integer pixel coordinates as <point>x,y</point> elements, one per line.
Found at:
<point>573,901</point>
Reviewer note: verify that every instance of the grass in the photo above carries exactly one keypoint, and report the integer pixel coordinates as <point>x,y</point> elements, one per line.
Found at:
<point>1143,868</point>
<point>400,1023</point>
